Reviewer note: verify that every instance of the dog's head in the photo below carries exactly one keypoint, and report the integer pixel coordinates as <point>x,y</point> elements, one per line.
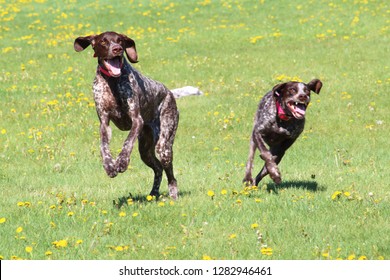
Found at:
<point>109,48</point>
<point>294,97</point>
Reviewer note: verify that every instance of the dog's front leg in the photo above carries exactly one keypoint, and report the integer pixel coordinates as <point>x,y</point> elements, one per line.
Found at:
<point>105,136</point>
<point>269,159</point>
<point>122,162</point>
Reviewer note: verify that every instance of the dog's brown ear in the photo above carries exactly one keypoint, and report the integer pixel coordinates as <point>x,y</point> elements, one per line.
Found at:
<point>315,85</point>
<point>81,43</point>
<point>277,90</point>
<point>129,46</point>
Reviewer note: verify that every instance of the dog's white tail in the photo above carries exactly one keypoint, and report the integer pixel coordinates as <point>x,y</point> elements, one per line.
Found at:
<point>186,91</point>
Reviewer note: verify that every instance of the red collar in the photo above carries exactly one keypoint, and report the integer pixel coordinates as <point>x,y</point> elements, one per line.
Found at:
<point>104,71</point>
<point>281,113</point>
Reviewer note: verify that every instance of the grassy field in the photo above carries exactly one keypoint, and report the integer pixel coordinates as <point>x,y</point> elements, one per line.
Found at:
<point>334,203</point>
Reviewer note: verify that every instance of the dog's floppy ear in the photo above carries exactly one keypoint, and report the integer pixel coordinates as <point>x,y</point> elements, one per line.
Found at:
<point>129,46</point>
<point>315,85</point>
<point>277,90</point>
<point>81,43</point>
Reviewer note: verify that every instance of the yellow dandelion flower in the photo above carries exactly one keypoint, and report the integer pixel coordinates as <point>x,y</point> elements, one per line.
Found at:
<point>48,253</point>
<point>266,251</point>
<point>336,195</point>
<point>135,214</point>
<point>347,194</point>
<point>19,230</point>
<point>3,131</point>
<point>232,236</point>
<point>210,193</point>
<point>254,226</point>
<point>104,212</point>
<point>206,258</point>
<point>70,214</point>
<point>361,258</point>
<point>28,249</point>
<point>149,198</point>
<point>3,220</point>
<point>78,242</point>
<point>161,204</point>
<point>122,214</point>
<point>60,244</point>
<point>223,192</point>
<point>119,248</point>
<point>254,39</point>
<point>20,203</point>
<point>171,203</point>
<point>1,258</point>
<point>351,257</point>
<point>52,206</point>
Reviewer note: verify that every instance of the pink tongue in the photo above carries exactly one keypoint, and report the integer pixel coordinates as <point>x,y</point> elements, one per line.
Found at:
<point>115,66</point>
<point>300,109</point>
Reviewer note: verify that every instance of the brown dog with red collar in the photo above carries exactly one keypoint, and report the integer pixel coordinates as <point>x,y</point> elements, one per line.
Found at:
<point>279,121</point>
<point>134,103</point>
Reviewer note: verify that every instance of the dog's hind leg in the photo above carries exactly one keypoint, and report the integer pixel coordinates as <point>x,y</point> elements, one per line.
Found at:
<point>248,180</point>
<point>169,119</point>
<point>146,148</point>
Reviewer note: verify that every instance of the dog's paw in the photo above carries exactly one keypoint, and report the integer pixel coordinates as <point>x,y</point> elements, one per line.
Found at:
<point>275,176</point>
<point>274,172</point>
<point>248,181</point>
<point>277,180</point>
<point>173,191</point>
<point>110,169</point>
<point>122,163</point>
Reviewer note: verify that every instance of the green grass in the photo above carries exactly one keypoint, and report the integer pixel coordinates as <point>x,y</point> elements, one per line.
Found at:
<point>57,203</point>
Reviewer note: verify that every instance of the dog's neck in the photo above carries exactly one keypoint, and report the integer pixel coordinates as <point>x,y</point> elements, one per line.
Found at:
<point>281,113</point>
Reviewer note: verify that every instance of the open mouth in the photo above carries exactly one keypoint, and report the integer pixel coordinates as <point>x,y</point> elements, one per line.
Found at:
<point>298,110</point>
<point>114,65</point>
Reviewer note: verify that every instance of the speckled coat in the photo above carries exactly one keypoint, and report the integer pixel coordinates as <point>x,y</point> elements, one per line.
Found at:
<point>137,104</point>
<point>279,120</point>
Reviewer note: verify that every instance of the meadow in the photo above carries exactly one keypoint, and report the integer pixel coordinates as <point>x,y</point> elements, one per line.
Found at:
<point>334,203</point>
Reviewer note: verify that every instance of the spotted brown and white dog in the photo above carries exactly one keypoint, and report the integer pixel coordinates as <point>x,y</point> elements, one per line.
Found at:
<point>279,120</point>
<point>132,102</point>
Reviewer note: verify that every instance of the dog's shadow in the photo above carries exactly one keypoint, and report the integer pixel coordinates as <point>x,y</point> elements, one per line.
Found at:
<point>306,185</point>
<point>124,200</point>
